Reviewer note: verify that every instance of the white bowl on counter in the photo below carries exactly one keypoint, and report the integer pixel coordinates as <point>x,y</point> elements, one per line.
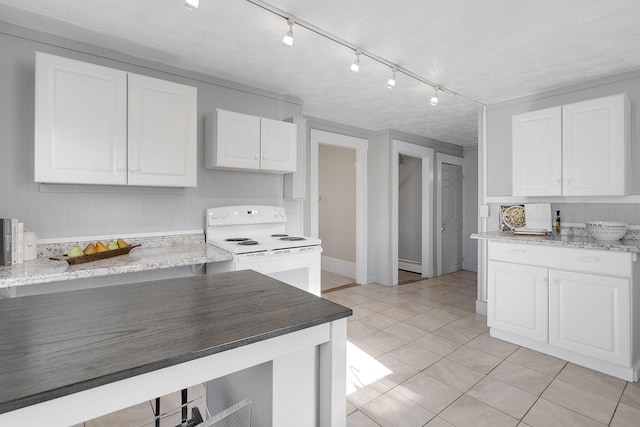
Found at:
<point>606,230</point>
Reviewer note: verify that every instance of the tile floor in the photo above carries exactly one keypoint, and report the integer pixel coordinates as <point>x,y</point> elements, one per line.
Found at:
<point>419,355</point>
<point>329,280</point>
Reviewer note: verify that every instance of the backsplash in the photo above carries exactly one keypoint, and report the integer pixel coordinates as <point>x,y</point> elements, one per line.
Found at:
<point>58,249</point>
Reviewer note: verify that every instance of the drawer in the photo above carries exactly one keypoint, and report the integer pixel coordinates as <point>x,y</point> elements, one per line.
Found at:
<point>606,263</point>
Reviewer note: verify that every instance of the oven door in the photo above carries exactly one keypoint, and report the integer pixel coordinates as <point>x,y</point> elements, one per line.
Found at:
<point>299,267</point>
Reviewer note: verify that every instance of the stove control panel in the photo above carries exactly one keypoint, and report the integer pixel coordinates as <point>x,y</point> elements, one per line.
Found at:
<point>239,215</point>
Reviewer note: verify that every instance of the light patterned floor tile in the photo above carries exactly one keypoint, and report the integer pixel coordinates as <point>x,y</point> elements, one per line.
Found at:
<point>493,346</point>
<point>475,359</point>
<point>547,414</point>
<point>415,356</point>
<point>358,419</point>
<point>393,409</point>
<point>604,385</point>
<point>383,341</point>
<point>537,361</point>
<point>359,329</point>
<point>379,321</point>
<point>438,422</point>
<point>469,412</point>
<point>399,371</point>
<point>437,344</point>
<point>133,415</point>
<point>359,394</point>
<point>455,333</point>
<point>626,416</point>
<point>631,395</point>
<point>406,331</point>
<point>523,378</point>
<point>453,374</point>
<point>502,396</point>
<point>350,408</point>
<point>429,392</point>
<point>585,402</point>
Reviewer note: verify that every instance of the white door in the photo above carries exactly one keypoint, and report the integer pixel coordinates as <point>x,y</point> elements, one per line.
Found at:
<point>594,147</point>
<point>237,143</point>
<point>537,153</point>
<point>80,122</point>
<point>162,133</point>
<point>518,299</point>
<point>451,218</point>
<point>277,145</point>
<point>590,315</point>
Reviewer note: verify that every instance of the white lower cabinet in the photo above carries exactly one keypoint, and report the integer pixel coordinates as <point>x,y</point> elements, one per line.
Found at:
<point>576,304</point>
<point>520,303</point>
<point>590,314</point>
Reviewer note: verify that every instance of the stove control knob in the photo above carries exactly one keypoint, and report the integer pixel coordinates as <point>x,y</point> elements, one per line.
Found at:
<point>223,214</point>
<point>282,213</point>
<point>214,215</point>
<point>275,213</point>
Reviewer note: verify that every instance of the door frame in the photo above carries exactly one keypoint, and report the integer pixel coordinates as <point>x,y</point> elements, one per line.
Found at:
<point>426,155</point>
<point>361,146</point>
<point>452,160</point>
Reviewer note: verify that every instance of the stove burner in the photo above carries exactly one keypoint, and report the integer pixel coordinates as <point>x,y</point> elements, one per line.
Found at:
<point>248,242</point>
<point>292,238</point>
<point>237,239</point>
<point>279,235</point>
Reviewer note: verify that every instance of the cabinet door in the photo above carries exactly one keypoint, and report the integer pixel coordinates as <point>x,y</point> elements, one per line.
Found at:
<point>162,133</point>
<point>278,146</point>
<point>518,299</point>
<point>537,153</point>
<point>80,122</point>
<point>237,141</point>
<point>590,314</point>
<point>595,144</point>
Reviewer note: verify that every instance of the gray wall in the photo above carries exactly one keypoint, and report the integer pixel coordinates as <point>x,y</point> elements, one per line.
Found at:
<point>58,211</point>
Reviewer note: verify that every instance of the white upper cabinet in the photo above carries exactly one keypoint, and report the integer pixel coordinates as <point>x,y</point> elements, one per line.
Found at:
<point>278,142</point>
<point>97,125</point>
<point>80,122</point>
<point>537,159</point>
<point>577,149</point>
<point>162,133</point>
<point>244,142</point>
<point>595,146</point>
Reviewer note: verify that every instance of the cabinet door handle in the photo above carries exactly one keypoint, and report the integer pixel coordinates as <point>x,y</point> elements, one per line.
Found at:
<point>588,259</point>
<point>554,282</point>
<point>264,157</point>
<point>542,279</point>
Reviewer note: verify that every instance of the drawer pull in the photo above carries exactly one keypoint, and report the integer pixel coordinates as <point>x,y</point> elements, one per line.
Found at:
<point>588,259</point>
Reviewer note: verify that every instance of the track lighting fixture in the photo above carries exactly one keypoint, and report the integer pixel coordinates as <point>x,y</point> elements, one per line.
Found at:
<point>191,4</point>
<point>287,40</point>
<point>357,50</point>
<point>391,83</point>
<point>356,64</point>
<point>434,98</point>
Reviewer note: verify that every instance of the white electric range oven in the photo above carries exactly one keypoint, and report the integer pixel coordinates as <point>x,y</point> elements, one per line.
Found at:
<point>256,237</point>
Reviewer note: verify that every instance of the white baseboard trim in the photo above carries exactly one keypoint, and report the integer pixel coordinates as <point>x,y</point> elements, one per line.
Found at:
<point>339,266</point>
<point>481,307</point>
<point>470,266</point>
<point>410,265</point>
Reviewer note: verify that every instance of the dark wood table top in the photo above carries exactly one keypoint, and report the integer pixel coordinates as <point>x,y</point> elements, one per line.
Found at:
<point>58,344</point>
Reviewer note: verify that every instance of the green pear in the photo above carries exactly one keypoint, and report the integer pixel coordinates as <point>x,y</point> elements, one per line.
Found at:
<point>75,251</point>
<point>112,245</point>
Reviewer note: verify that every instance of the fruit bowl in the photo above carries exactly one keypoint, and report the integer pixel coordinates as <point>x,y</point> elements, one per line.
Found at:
<point>606,230</point>
<point>96,256</point>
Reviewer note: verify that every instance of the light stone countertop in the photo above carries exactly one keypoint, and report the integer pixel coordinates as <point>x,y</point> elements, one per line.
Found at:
<point>580,242</point>
<point>44,270</point>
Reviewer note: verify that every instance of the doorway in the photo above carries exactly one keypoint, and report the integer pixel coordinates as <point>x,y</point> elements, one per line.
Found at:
<point>409,218</point>
<point>424,156</point>
<point>359,146</point>
<point>449,213</point>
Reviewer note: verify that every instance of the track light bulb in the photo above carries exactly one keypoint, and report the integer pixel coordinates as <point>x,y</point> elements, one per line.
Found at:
<point>355,67</point>
<point>287,40</point>
<point>391,83</point>
<point>434,98</point>
<point>191,4</point>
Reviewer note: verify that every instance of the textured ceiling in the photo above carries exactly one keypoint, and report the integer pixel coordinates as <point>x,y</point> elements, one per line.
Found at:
<point>488,51</point>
